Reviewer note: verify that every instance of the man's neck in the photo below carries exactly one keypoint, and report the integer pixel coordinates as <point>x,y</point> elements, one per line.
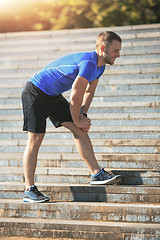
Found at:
<point>100,60</point>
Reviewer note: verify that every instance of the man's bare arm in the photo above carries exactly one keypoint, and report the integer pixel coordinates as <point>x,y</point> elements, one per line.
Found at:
<point>76,100</point>
<point>88,95</point>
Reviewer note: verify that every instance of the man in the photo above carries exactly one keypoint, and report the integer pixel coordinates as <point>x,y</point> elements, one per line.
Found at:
<point>42,98</point>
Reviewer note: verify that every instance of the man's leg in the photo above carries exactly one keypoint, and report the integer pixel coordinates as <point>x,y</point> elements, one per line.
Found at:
<point>30,157</point>
<point>84,147</point>
<point>31,193</point>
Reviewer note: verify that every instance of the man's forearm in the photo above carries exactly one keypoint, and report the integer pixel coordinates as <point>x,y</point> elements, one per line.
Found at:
<point>75,106</point>
<point>88,96</point>
<point>83,123</point>
<point>86,102</point>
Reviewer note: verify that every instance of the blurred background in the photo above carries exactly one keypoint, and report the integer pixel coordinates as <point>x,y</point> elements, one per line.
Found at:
<point>38,15</point>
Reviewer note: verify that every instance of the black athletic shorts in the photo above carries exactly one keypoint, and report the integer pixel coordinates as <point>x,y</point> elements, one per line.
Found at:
<point>38,106</point>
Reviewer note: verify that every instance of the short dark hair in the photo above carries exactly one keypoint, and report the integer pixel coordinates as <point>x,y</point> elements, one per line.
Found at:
<point>106,38</point>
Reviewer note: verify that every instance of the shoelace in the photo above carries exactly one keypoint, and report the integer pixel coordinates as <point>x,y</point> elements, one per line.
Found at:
<point>107,173</point>
<point>35,190</point>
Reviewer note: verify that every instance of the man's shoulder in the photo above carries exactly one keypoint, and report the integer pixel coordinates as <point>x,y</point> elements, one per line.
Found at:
<point>85,56</point>
<point>73,59</point>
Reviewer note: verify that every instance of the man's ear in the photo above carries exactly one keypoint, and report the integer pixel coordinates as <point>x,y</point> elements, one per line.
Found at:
<point>103,48</point>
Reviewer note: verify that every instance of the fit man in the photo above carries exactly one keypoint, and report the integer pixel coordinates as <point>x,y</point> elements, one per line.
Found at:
<point>42,98</point>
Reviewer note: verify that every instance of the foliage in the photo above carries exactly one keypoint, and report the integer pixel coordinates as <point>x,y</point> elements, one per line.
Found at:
<point>29,15</point>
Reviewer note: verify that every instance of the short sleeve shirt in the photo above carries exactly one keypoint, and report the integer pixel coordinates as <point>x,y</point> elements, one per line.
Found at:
<point>58,76</point>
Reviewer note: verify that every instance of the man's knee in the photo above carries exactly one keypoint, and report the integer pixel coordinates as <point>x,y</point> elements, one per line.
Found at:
<point>77,132</point>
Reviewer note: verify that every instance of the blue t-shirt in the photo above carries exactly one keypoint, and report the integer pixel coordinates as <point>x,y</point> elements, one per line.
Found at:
<point>58,76</point>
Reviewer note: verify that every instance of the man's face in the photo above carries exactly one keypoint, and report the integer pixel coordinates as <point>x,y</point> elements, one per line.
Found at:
<point>112,52</point>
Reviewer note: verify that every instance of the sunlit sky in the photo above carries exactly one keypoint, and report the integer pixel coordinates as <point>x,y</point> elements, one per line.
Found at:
<point>4,3</point>
<point>26,15</point>
<point>7,3</point>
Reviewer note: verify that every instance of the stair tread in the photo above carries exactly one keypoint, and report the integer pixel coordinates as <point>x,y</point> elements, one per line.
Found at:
<point>120,188</point>
<point>14,84</point>
<point>86,193</point>
<point>97,116</point>
<point>76,204</point>
<point>101,142</point>
<point>102,129</point>
<point>76,222</point>
<point>73,170</point>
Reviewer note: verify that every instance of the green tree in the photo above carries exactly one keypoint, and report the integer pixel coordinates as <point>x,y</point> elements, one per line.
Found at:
<point>30,15</point>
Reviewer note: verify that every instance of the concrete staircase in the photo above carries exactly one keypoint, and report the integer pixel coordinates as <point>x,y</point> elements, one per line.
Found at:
<point>125,133</point>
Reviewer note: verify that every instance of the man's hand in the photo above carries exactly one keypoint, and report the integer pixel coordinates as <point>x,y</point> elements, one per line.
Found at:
<point>84,123</point>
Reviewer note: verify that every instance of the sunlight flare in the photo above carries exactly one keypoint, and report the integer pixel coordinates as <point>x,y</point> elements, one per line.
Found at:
<point>4,3</point>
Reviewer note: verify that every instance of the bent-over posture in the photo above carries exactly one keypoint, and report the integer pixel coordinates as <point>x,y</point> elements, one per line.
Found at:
<point>42,98</point>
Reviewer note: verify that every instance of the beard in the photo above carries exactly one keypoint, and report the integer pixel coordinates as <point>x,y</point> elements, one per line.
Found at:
<point>108,59</point>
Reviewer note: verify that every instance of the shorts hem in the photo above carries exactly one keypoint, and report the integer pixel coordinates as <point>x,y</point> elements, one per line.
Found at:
<point>33,131</point>
<point>59,124</point>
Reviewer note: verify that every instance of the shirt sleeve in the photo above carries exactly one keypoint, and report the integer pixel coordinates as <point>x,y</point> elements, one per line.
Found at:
<point>87,70</point>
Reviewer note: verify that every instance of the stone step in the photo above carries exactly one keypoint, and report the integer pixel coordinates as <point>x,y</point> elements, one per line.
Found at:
<point>123,107</point>
<point>104,81</point>
<point>76,37</point>
<point>96,132</point>
<point>60,49</point>
<point>86,193</point>
<point>70,40</point>
<point>96,122</point>
<point>95,142</point>
<point>83,211</point>
<point>122,67</point>
<point>82,175</point>
<point>102,90</point>
<point>71,160</point>
<point>17,110</point>
<point>63,50</point>
<point>81,42</point>
<point>19,61</point>
<point>128,96</point>
<point>72,149</point>
<point>99,116</point>
<point>99,105</point>
<point>100,146</point>
<point>26,75</point>
<point>14,97</point>
<point>76,229</point>
<point>122,94</point>
<point>129,40</point>
<point>69,46</point>
<point>102,130</point>
<point>111,94</point>
<point>119,69</point>
<point>139,69</point>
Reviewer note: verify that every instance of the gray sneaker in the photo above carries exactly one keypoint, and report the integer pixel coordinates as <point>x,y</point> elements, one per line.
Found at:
<point>33,195</point>
<point>104,177</point>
